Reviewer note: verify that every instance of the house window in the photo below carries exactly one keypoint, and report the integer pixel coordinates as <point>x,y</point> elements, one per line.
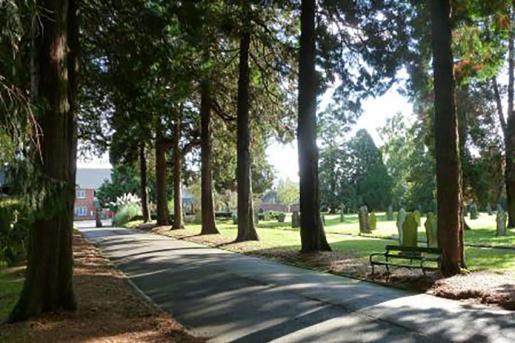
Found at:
<point>81,194</point>
<point>81,211</point>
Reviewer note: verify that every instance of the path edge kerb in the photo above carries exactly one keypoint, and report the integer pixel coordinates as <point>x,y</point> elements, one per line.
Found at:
<point>133,286</point>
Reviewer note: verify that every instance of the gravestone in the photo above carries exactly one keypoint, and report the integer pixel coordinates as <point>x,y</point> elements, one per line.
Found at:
<point>342,213</point>
<point>322,219</point>
<point>363,220</point>
<point>295,219</point>
<point>501,221</point>
<point>281,217</point>
<point>389,212</point>
<point>234,218</point>
<point>465,210</point>
<point>489,209</point>
<point>401,217</point>
<point>409,231</point>
<point>256,217</point>
<point>198,218</point>
<point>372,221</point>
<point>474,214</point>
<point>431,226</point>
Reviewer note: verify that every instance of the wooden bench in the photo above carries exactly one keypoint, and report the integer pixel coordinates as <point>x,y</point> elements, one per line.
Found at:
<point>395,253</point>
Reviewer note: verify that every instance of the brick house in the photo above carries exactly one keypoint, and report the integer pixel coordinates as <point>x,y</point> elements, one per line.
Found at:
<point>87,182</point>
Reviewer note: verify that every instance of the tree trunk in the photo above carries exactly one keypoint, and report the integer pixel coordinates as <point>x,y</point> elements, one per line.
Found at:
<point>161,181</point>
<point>311,230</point>
<point>177,169</point>
<point>448,168</point>
<point>143,183</point>
<point>246,228</point>
<point>510,171</point>
<point>49,276</point>
<point>510,132</point>
<point>508,129</point>
<point>208,210</point>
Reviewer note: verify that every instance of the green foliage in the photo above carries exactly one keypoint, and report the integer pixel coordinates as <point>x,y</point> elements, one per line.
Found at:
<point>124,180</point>
<point>409,162</point>
<point>287,191</point>
<point>353,173</point>
<point>14,226</point>
<point>17,111</point>
<point>126,213</point>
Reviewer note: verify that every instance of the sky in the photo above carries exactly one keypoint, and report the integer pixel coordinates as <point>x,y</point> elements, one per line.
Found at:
<point>283,157</point>
<point>375,113</point>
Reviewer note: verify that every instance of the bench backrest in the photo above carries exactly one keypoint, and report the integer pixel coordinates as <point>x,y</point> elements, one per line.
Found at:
<point>435,251</point>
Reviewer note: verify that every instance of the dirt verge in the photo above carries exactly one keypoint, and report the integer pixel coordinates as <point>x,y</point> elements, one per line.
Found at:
<point>109,310</point>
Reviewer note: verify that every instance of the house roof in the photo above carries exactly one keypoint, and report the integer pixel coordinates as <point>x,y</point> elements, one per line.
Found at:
<point>92,178</point>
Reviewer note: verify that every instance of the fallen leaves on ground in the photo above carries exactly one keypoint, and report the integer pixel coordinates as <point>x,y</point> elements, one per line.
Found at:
<point>488,288</point>
<point>109,310</point>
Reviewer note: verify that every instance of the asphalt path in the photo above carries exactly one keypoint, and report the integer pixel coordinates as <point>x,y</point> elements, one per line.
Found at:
<point>229,297</point>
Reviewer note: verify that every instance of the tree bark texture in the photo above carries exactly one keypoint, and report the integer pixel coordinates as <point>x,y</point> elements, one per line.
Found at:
<point>448,167</point>
<point>177,169</point>
<point>48,280</point>
<point>509,143</point>
<point>161,179</point>
<point>143,183</point>
<point>311,230</point>
<point>206,183</point>
<point>509,136</point>
<point>246,228</point>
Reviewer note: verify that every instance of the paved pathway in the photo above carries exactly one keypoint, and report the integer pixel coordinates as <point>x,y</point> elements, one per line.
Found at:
<point>235,298</point>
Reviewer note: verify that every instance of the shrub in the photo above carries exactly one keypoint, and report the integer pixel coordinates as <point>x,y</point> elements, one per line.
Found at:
<point>14,226</point>
<point>126,213</point>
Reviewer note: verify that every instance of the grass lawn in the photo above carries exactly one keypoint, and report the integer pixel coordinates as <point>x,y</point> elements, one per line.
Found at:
<point>280,236</point>
<point>482,233</point>
<point>10,286</point>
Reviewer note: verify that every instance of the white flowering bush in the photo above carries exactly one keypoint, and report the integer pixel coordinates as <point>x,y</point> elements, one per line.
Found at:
<point>126,199</point>
<point>128,206</point>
